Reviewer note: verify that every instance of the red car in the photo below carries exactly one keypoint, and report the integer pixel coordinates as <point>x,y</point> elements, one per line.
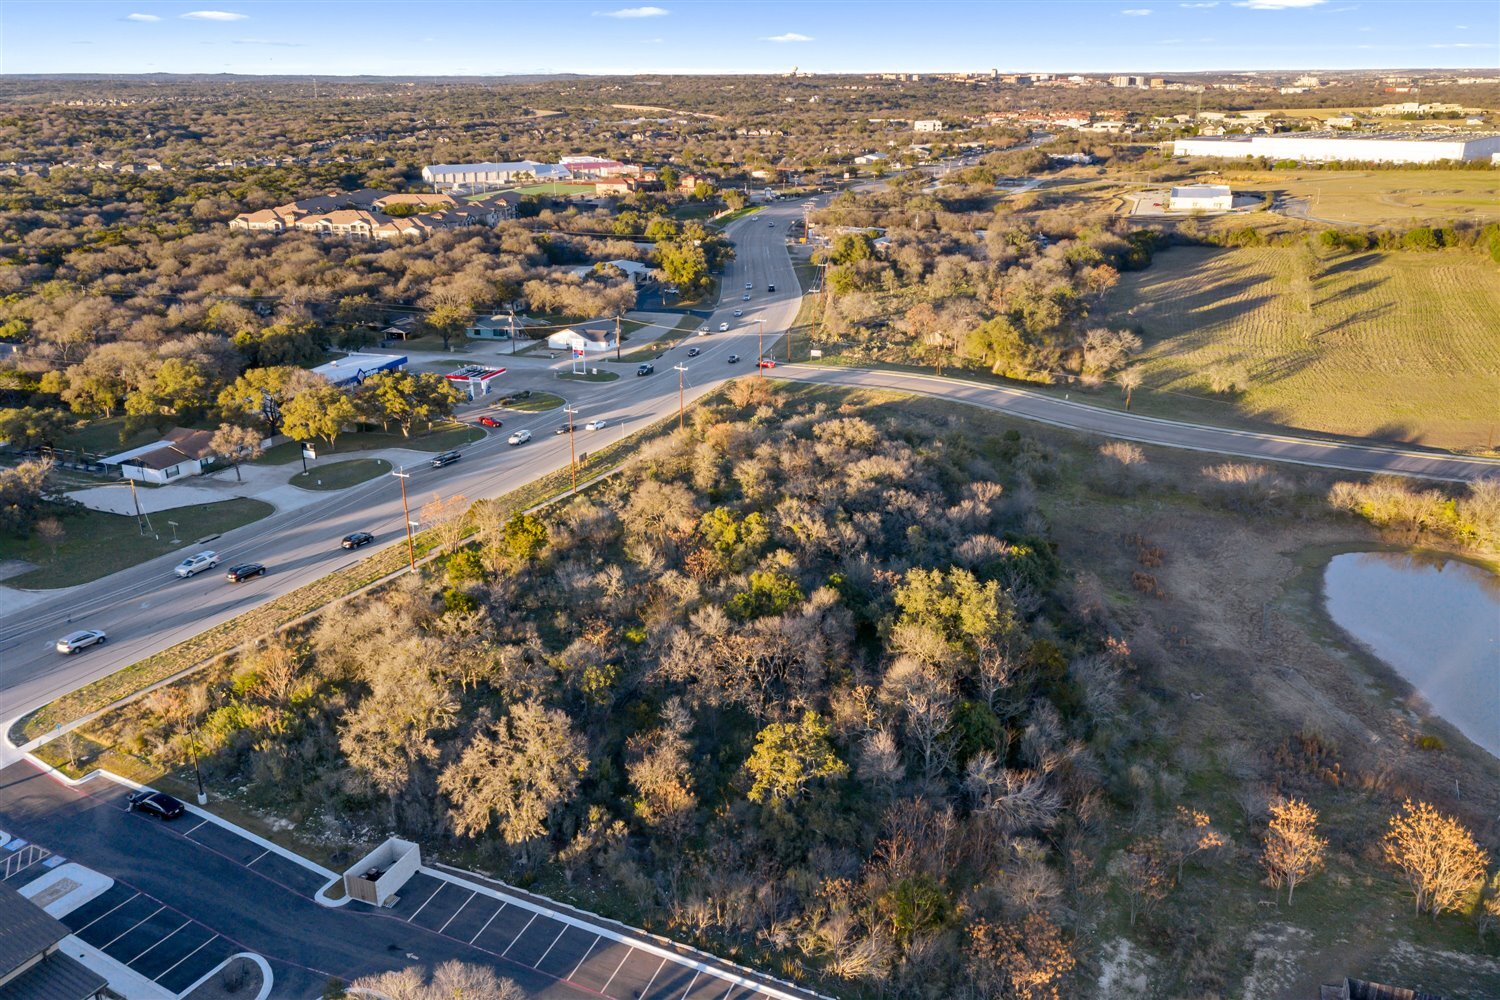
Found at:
<point>489,421</point>
<point>765,363</point>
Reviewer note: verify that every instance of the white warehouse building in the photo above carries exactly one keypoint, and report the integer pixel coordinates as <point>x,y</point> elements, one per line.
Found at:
<point>446,177</point>
<point>1201,198</point>
<point>1322,147</point>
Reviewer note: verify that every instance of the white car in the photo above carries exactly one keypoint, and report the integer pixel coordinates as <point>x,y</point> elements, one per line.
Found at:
<point>723,327</point>
<point>595,425</point>
<point>738,313</point>
<point>74,641</point>
<point>520,437</point>
<point>703,330</point>
<point>197,564</point>
<point>745,297</point>
<point>748,285</point>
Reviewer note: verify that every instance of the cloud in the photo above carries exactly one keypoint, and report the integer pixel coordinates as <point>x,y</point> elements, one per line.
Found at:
<point>141,17</point>
<point>212,15</point>
<point>1136,12</point>
<point>1462,45</point>
<point>633,12</point>
<point>270,41</point>
<point>790,36</point>
<point>1278,4</point>
<point>1207,3</point>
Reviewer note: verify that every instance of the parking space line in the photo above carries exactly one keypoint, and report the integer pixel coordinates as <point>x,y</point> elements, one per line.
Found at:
<point>653,977</point>
<point>691,983</point>
<point>159,941</point>
<point>133,926</point>
<point>189,833</point>
<point>560,933</point>
<point>428,900</point>
<point>189,955</point>
<point>487,923</point>
<point>592,944</point>
<point>520,935</point>
<point>457,912</point>
<point>258,857</point>
<point>103,915</point>
<point>605,988</point>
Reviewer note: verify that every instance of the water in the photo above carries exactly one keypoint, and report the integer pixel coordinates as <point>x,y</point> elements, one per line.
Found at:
<point>1435,621</point>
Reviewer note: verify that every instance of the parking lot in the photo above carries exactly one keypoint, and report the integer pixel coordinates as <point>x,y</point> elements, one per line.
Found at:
<point>150,937</point>
<point>557,948</point>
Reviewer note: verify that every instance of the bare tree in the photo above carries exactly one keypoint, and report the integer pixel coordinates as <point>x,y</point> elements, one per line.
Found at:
<point>1129,380</point>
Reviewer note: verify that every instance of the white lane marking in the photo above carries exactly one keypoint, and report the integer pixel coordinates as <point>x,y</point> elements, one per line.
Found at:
<point>653,977</point>
<point>189,955</point>
<point>560,933</point>
<point>521,935</point>
<point>143,954</point>
<point>585,958</point>
<point>195,828</point>
<point>258,857</point>
<point>457,912</point>
<point>133,926</point>
<point>424,904</point>
<point>605,988</point>
<point>103,915</point>
<point>487,924</point>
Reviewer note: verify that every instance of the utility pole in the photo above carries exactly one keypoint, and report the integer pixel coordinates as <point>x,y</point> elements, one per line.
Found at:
<point>411,549</point>
<point>681,408</point>
<point>197,771</point>
<point>617,338</point>
<point>513,331</point>
<point>572,452</point>
<point>139,517</point>
<point>760,335</point>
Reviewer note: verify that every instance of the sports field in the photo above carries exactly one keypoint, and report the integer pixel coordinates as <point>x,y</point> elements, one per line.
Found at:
<point>1381,197</point>
<point>1400,346</point>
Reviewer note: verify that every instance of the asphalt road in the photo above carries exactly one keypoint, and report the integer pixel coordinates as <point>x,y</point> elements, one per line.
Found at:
<point>146,609</point>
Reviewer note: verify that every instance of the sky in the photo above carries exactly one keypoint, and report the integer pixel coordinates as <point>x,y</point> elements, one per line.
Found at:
<point>498,37</point>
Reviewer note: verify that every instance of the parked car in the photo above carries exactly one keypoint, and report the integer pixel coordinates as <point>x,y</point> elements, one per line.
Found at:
<point>489,422</point>
<point>446,458</point>
<point>357,539</point>
<point>766,363</point>
<point>158,804</point>
<point>82,639</point>
<point>245,571</point>
<point>520,437</point>
<point>197,564</point>
<point>693,352</point>
<point>723,327</point>
<point>595,425</point>
<point>733,359</point>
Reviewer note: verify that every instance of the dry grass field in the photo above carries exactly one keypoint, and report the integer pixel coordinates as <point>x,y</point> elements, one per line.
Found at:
<point>1399,346</point>
<point>1398,198</point>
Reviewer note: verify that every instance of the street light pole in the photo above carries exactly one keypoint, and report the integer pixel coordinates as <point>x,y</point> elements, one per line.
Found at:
<point>760,334</point>
<point>197,771</point>
<point>617,338</point>
<point>572,451</point>
<point>411,549</point>
<point>681,408</point>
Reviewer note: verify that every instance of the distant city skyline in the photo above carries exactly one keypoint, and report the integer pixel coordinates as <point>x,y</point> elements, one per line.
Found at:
<point>462,38</point>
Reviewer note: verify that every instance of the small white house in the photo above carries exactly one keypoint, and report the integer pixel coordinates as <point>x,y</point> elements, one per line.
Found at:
<point>588,338</point>
<point>927,125</point>
<point>180,454</point>
<point>865,159</point>
<point>1201,198</point>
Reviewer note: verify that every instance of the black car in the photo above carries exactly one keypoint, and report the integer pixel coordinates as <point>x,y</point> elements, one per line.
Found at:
<point>446,458</point>
<point>693,352</point>
<point>561,429</point>
<point>645,369</point>
<point>357,539</point>
<point>733,359</point>
<point>158,804</point>
<point>770,288</point>
<point>245,571</point>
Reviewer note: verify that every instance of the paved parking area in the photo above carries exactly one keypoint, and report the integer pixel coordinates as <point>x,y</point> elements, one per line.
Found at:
<point>557,948</point>
<point>153,939</point>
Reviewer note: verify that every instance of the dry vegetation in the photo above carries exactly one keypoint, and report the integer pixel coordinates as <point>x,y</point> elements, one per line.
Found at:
<point>1395,345</point>
<point>1381,198</point>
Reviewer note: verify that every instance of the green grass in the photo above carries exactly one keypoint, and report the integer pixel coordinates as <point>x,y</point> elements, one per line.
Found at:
<point>603,376</point>
<point>738,213</point>
<point>537,402</point>
<point>1402,346</point>
<point>559,190</point>
<point>106,436</point>
<point>341,475</point>
<point>98,544</point>
<point>1381,197</point>
<point>648,352</point>
<point>442,437</point>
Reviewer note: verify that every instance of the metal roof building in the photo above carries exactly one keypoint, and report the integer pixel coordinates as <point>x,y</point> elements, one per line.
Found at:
<point>1324,147</point>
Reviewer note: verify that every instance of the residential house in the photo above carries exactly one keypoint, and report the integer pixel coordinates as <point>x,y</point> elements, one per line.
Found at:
<point>32,964</point>
<point>867,158</point>
<point>497,327</point>
<point>421,201</point>
<point>585,338</point>
<point>927,125</point>
<point>628,185</point>
<point>182,452</point>
<point>639,274</point>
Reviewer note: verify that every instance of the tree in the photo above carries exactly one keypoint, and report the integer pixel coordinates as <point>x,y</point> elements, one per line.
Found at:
<point>390,730</point>
<point>734,199</point>
<point>406,398</point>
<point>1190,833</point>
<point>236,443</point>
<point>1142,874</point>
<point>446,517</point>
<point>451,980</point>
<point>517,776</point>
<point>179,386</point>
<point>262,392</point>
<point>1436,854</point>
<point>1129,380</point>
<point>683,263</point>
<point>52,533</point>
<point>1025,961</point>
<point>319,411</point>
<point>447,318</point>
<point>524,537</point>
<point>790,756</point>
<point>31,427</point>
<point>23,496</point>
<point>1292,851</point>
<point>661,773</point>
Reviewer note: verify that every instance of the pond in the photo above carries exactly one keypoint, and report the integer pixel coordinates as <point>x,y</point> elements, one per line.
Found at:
<point>1436,622</point>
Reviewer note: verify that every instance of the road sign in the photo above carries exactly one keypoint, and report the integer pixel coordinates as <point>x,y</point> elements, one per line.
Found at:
<point>308,451</point>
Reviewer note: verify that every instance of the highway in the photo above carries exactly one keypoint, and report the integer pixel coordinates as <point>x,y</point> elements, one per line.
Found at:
<point>146,609</point>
